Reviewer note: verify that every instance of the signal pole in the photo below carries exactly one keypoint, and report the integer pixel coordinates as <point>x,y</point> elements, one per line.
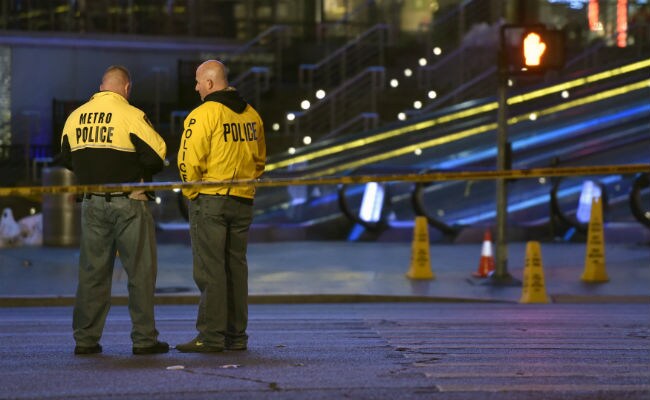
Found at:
<point>524,49</point>
<point>501,276</point>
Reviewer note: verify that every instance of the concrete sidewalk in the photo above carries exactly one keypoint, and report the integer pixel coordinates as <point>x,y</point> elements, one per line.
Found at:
<point>341,272</point>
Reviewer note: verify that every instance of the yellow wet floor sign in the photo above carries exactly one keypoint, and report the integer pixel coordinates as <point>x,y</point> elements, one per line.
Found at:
<point>420,255</point>
<point>595,254</point>
<point>533,287</point>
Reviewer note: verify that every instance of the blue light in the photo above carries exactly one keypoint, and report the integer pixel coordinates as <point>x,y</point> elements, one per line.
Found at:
<point>356,232</point>
<point>372,202</point>
<point>574,4</point>
<point>542,137</point>
<point>589,191</point>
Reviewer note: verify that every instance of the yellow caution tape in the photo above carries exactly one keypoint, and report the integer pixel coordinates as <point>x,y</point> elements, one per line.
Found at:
<point>276,182</point>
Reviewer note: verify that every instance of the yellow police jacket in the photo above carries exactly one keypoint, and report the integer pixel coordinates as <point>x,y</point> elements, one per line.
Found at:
<point>223,140</point>
<point>107,140</point>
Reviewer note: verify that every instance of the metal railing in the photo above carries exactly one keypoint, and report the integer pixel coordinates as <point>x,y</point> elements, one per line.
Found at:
<point>254,66</point>
<point>466,73</point>
<point>362,122</point>
<point>357,95</point>
<point>256,51</point>
<point>252,84</point>
<point>365,50</point>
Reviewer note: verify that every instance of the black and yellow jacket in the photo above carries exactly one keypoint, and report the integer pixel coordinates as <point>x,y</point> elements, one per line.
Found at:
<point>223,140</point>
<point>107,140</point>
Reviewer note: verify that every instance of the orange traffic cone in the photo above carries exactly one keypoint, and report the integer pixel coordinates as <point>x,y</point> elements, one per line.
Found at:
<point>486,264</point>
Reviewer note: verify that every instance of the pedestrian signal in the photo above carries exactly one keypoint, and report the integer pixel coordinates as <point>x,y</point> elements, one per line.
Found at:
<point>531,48</point>
<point>534,49</point>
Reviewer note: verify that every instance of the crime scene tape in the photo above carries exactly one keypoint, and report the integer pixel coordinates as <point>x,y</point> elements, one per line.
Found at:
<point>347,180</point>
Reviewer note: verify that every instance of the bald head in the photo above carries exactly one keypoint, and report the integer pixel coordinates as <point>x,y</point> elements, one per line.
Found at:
<point>117,79</point>
<point>211,76</point>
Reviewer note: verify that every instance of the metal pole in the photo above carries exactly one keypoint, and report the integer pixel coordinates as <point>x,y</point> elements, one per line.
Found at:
<point>501,254</point>
<point>161,78</point>
<point>157,95</point>
<point>32,123</point>
<point>501,275</point>
<point>281,34</point>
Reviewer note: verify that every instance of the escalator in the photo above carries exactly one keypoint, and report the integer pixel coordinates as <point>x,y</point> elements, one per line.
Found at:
<point>603,121</point>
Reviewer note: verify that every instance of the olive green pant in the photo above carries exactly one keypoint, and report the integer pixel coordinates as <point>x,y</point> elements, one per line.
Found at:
<point>219,230</point>
<point>123,226</point>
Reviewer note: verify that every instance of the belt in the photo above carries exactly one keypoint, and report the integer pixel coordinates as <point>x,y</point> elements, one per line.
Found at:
<point>107,196</point>
<point>244,200</point>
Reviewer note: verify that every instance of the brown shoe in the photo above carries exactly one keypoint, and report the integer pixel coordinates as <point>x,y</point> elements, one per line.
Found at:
<point>157,348</point>
<point>236,346</point>
<point>83,350</point>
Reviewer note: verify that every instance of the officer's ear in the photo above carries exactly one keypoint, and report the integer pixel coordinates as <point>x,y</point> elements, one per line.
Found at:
<point>127,90</point>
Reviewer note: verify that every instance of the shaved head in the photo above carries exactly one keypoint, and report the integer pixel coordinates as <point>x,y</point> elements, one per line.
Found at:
<point>117,79</point>
<point>211,76</point>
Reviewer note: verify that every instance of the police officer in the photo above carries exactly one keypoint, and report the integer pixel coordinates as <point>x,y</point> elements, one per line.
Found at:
<point>223,140</point>
<point>106,140</point>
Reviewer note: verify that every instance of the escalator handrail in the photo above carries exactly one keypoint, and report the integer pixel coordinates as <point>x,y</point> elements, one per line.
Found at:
<point>641,181</point>
<point>557,211</point>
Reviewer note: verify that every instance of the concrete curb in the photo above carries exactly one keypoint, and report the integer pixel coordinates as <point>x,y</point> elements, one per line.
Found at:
<point>571,298</point>
<point>67,301</point>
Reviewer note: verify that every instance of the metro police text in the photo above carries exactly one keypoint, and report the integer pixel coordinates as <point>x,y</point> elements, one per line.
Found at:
<point>100,133</point>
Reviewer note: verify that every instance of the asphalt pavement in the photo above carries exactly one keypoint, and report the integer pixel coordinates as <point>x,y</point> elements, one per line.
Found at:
<point>450,351</point>
<point>332,320</point>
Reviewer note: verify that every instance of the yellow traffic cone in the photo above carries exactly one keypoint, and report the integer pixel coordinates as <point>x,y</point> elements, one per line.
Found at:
<point>420,257</point>
<point>534,289</point>
<point>595,255</point>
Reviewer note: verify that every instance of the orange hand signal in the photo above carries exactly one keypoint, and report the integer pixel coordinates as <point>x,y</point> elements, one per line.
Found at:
<point>534,48</point>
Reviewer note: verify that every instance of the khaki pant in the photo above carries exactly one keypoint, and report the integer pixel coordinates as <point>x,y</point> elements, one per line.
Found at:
<point>219,230</point>
<point>120,225</point>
